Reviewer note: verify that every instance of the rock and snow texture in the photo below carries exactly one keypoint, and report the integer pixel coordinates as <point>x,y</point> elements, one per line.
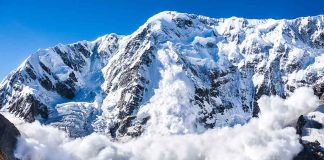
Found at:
<point>310,127</point>
<point>177,74</point>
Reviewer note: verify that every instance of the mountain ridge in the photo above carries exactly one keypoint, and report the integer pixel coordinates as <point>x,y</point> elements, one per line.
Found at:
<point>217,69</point>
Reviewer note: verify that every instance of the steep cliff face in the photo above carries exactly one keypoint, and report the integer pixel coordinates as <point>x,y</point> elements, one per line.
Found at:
<point>8,139</point>
<point>178,73</point>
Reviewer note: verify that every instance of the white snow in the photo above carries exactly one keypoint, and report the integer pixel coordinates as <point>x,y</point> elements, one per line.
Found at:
<point>170,109</point>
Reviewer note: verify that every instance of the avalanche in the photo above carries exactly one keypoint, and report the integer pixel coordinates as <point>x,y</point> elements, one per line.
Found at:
<point>268,137</point>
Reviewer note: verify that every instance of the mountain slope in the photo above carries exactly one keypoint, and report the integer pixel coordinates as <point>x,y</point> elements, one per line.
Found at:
<point>178,73</point>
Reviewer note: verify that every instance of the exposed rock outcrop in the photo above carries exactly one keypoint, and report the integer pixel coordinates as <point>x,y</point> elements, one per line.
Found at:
<point>8,139</point>
<point>310,129</point>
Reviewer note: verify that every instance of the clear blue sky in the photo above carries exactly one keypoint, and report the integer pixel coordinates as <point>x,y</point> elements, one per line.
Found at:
<point>27,25</point>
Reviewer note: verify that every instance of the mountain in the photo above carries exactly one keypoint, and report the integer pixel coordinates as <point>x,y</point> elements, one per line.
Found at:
<point>178,73</point>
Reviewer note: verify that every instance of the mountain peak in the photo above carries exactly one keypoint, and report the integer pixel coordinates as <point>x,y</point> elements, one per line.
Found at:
<point>164,15</point>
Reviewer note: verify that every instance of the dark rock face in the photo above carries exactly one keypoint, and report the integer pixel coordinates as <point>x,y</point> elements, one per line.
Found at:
<point>46,83</point>
<point>300,125</point>
<point>8,139</point>
<point>74,59</point>
<point>311,150</point>
<point>66,89</point>
<point>28,108</point>
<point>319,91</point>
<point>132,83</point>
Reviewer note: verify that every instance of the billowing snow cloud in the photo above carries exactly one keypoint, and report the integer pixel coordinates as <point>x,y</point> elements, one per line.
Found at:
<point>266,138</point>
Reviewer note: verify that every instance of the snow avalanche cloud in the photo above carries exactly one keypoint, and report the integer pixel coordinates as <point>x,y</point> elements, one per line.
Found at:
<point>269,137</point>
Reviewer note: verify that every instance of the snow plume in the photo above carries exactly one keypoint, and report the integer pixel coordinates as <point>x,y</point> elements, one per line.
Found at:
<point>170,109</point>
<point>266,138</point>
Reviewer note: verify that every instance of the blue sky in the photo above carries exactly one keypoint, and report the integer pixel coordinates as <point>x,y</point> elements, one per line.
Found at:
<point>26,26</point>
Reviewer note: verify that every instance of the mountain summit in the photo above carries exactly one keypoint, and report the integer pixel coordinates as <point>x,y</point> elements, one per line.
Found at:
<point>178,73</point>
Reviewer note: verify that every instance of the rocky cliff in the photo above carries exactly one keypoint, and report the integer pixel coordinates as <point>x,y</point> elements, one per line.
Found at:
<point>8,139</point>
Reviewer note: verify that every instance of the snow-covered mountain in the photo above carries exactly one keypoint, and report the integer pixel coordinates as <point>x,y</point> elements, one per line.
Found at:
<point>178,73</point>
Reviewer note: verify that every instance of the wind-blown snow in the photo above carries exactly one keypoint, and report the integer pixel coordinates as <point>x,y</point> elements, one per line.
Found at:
<point>169,109</point>
<point>268,137</point>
